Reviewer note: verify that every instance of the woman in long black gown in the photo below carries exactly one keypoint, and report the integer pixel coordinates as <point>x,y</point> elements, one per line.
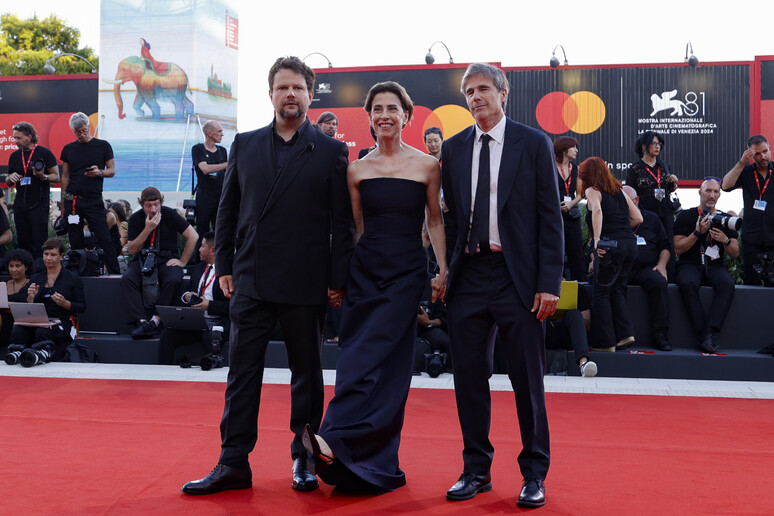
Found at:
<point>393,189</point>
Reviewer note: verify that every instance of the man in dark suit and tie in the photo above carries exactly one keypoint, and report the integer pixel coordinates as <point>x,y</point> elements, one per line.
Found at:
<point>505,247</point>
<point>283,239</point>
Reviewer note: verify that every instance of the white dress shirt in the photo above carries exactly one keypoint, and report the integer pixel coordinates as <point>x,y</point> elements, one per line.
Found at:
<point>495,157</point>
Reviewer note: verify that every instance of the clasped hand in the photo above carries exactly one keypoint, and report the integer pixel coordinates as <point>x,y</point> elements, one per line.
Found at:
<point>438,284</point>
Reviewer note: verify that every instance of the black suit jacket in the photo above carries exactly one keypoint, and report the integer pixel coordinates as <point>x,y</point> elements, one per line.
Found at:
<point>285,237</point>
<point>528,213</point>
<point>219,304</point>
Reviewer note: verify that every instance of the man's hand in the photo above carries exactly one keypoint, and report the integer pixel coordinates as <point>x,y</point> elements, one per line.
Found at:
<point>174,262</point>
<point>438,285</point>
<point>336,296</point>
<point>545,305</point>
<point>661,269</point>
<point>565,206</point>
<point>204,305</point>
<point>718,236</point>
<point>92,171</point>
<point>153,222</point>
<point>423,318</point>
<point>747,157</point>
<point>12,178</point>
<point>226,284</point>
<point>703,224</point>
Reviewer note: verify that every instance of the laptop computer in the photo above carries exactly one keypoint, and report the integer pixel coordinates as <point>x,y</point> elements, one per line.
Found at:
<point>182,318</point>
<point>31,314</point>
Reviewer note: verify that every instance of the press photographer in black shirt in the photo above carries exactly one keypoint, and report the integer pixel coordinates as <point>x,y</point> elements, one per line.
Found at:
<point>85,162</point>
<point>753,173</point>
<point>31,169</point>
<point>154,276</point>
<point>701,246</point>
<point>650,271</point>
<point>210,161</point>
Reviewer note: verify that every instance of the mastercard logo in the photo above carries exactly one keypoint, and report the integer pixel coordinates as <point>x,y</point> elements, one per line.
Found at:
<point>582,112</point>
<point>450,119</point>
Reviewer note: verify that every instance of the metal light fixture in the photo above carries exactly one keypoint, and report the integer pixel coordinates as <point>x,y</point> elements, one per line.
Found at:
<point>319,54</point>
<point>554,62</point>
<point>692,61</point>
<point>430,58</point>
<point>49,68</point>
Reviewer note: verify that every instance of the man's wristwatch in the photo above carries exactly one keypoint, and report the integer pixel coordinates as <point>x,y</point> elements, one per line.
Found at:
<point>727,242</point>
<point>696,234</point>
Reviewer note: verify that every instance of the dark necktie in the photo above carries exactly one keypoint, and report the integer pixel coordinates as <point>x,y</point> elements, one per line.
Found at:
<point>479,231</point>
<point>204,280</point>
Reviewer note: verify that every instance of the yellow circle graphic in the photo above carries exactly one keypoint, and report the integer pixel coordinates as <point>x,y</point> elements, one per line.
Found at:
<point>590,112</point>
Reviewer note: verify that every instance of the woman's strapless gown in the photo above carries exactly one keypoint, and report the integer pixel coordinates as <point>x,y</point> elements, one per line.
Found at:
<point>388,273</point>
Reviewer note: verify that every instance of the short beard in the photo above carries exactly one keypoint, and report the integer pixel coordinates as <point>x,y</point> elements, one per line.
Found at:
<point>285,115</point>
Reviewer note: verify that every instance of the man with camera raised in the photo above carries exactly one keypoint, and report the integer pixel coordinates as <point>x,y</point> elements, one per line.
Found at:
<point>205,294</point>
<point>753,173</point>
<point>703,236</point>
<point>154,276</point>
<point>31,168</point>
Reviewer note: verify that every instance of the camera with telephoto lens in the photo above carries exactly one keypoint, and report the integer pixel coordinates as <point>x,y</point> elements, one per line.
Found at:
<point>14,352</point>
<point>606,245</point>
<point>720,220</point>
<point>189,205</point>
<point>38,165</point>
<point>764,268</point>
<point>40,353</point>
<point>148,260</point>
<point>214,359</point>
<point>435,363</point>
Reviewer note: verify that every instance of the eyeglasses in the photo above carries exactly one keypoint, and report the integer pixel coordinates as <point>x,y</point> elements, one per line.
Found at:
<point>713,178</point>
<point>657,144</point>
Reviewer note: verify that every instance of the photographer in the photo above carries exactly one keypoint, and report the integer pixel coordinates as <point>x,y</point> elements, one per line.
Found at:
<point>701,245</point>
<point>205,294</point>
<point>85,164</point>
<point>32,168</point>
<point>610,218</point>
<point>752,173</point>
<point>650,271</point>
<point>155,274</point>
<point>61,291</point>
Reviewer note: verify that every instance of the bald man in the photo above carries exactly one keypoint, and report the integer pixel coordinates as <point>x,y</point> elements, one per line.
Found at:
<point>701,248</point>
<point>650,271</point>
<point>210,160</point>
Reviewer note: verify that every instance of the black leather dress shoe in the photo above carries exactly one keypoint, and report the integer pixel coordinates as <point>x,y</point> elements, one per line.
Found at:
<point>533,493</point>
<point>468,486</point>
<point>706,344</point>
<point>662,344</point>
<point>303,480</point>
<point>221,478</point>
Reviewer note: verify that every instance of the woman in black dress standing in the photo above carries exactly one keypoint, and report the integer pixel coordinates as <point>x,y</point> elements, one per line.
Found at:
<point>654,183</point>
<point>610,217</point>
<point>565,151</point>
<point>393,189</point>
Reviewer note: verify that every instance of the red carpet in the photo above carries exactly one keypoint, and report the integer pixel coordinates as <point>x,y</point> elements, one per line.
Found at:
<point>126,447</point>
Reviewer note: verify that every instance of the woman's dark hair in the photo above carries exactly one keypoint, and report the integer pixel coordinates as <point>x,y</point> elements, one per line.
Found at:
<point>594,173</point>
<point>562,144</point>
<point>390,87</point>
<point>645,139</point>
<point>22,256</point>
<point>118,208</point>
<point>53,243</point>
<point>433,130</point>
<point>28,129</point>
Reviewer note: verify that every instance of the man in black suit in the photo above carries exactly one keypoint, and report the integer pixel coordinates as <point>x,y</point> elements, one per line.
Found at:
<point>204,293</point>
<point>283,240</point>
<point>505,248</point>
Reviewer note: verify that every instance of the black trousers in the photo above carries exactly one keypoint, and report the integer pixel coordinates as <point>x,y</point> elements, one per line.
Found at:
<point>570,330</point>
<point>689,278</point>
<point>31,227</point>
<point>29,335</point>
<point>91,209</point>
<point>655,286</point>
<point>610,318</point>
<point>252,322</point>
<point>482,296</point>
<point>131,288</point>
<point>573,248</point>
<point>190,343</point>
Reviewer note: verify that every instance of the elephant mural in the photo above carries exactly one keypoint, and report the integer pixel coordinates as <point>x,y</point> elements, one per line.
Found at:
<point>171,85</point>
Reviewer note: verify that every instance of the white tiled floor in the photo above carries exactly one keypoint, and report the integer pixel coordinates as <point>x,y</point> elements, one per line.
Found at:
<point>569,384</point>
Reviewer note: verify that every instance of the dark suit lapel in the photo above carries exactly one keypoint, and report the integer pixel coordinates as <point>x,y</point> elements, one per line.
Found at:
<point>301,152</point>
<point>512,149</point>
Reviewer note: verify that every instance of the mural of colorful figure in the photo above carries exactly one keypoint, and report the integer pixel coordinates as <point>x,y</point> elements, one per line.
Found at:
<point>154,81</point>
